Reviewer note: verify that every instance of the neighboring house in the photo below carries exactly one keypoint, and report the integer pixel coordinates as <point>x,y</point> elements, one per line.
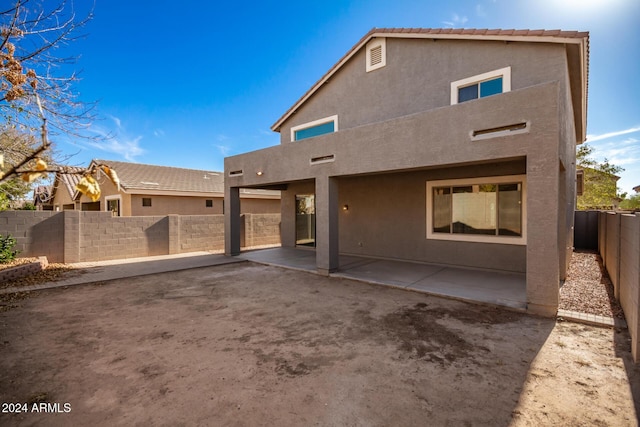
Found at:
<point>454,147</point>
<point>42,198</point>
<point>596,189</point>
<point>156,190</point>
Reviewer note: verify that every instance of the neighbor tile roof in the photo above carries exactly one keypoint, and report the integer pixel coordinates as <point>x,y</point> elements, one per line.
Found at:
<point>70,178</point>
<point>554,36</point>
<point>137,176</point>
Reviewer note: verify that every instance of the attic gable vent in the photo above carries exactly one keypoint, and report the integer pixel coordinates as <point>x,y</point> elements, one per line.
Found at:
<point>376,54</point>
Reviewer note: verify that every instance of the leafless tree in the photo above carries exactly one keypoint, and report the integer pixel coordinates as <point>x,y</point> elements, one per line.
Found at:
<point>37,94</point>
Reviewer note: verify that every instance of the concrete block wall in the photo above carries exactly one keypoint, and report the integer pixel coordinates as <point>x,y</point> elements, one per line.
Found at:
<point>77,236</point>
<point>260,229</point>
<point>104,237</point>
<point>36,232</point>
<point>619,247</point>
<point>201,233</point>
<point>629,276</point>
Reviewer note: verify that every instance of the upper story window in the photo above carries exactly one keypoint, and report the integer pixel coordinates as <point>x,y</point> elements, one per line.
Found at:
<point>376,54</point>
<point>480,86</point>
<point>315,128</point>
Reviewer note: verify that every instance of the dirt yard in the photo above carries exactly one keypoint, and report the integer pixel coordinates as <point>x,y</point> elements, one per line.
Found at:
<point>245,344</point>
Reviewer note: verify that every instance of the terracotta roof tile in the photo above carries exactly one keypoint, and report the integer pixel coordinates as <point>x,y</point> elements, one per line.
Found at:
<point>71,178</point>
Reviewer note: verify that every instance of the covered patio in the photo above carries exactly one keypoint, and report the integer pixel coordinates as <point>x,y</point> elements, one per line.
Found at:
<point>504,289</point>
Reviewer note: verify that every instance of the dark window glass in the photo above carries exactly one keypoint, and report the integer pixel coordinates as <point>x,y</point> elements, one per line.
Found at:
<point>510,210</point>
<point>468,93</point>
<point>442,210</point>
<point>146,201</point>
<point>209,203</point>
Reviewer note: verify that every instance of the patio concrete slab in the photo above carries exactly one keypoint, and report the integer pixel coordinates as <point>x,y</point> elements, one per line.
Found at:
<point>398,273</point>
<point>490,287</point>
<point>506,289</point>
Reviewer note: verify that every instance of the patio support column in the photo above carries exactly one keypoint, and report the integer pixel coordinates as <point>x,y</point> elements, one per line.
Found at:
<point>543,253</point>
<point>326,225</point>
<point>231,221</point>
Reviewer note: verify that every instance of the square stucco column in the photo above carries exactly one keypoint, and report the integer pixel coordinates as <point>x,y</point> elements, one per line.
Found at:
<point>231,221</point>
<point>326,225</point>
<point>543,253</point>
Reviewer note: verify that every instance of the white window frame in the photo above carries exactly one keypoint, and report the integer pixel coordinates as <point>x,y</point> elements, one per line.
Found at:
<point>318,122</point>
<point>505,73</point>
<point>480,238</point>
<point>377,42</point>
<point>107,199</point>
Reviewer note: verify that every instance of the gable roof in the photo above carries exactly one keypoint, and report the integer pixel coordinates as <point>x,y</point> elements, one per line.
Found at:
<point>67,177</point>
<point>137,176</point>
<point>577,39</point>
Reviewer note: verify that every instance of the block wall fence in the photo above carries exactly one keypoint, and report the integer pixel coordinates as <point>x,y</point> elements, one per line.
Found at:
<point>619,247</point>
<point>76,236</point>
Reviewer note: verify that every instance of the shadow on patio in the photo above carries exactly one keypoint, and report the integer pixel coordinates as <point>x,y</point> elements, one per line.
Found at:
<point>490,287</point>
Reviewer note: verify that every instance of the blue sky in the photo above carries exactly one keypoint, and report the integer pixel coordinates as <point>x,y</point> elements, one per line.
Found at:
<point>187,83</point>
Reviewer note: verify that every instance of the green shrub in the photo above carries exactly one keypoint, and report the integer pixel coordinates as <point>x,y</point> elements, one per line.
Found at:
<point>7,252</point>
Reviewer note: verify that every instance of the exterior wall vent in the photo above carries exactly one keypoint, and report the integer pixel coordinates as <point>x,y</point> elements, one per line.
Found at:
<point>322,159</point>
<point>236,173</point>
<point>513,129</point>
<point>376,54</point>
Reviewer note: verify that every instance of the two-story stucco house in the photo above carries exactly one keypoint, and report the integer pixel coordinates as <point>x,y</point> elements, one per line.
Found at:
<point>453,147</point>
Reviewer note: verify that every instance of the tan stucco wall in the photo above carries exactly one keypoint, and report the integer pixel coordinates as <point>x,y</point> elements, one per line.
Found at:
<point>181,205</point>
<point>131,204</point>
<point>259,205</point>
<point>61,198</point>
<point>418,77</point>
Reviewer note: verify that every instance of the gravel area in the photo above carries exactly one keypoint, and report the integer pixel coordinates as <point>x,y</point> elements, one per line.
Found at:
<point>588,288</point>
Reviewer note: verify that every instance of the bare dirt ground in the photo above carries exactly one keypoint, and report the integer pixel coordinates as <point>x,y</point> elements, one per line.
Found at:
<point>245,344</point>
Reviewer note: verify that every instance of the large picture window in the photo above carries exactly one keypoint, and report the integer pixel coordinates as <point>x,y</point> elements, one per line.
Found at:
<point>481,209</point>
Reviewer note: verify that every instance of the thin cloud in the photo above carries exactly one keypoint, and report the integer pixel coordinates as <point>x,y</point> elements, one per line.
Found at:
<point>116,141</point>
<point>480,11</point>
<point>158,132</point>
<point>127,148</point>
<point>619,153</point>
<point>593,138</point>
<point>117,121</point>
<point>456,20</point>
<point>225,150</point>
